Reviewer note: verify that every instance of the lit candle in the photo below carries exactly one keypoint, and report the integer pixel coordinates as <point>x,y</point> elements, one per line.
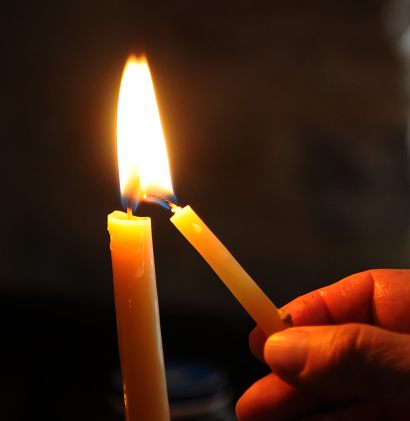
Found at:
<point>269,318</point>
<point>143,169</point>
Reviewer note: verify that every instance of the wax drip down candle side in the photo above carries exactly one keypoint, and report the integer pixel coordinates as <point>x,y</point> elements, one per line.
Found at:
<point>266,315</point>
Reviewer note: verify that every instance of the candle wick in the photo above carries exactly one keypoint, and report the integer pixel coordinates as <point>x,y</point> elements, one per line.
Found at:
<point>129,212</point>
<point>130,202</point>
<point>160,200</point>
<point>134,194</point>
<point>174,207</point>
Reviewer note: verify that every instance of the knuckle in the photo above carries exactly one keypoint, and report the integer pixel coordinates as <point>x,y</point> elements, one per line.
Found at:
<point>348,348</point>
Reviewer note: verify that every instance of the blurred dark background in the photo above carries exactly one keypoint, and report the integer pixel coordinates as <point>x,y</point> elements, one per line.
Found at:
<point>286,125</point>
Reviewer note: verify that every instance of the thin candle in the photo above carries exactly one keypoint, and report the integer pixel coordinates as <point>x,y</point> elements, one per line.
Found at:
<point>269,318</point>
<point>138,323</point>
<point>139,139</point>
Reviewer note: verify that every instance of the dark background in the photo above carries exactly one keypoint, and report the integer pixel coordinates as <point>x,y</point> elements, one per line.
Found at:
<point>286,126</point>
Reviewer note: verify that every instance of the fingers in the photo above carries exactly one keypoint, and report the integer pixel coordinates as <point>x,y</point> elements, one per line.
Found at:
<point>344,362</point>
<point>391,300</point>
<point>345,301</point>
<point>257,341</point>
<point>380,297</point>
<point>337,372</point>
<point>271,398</point>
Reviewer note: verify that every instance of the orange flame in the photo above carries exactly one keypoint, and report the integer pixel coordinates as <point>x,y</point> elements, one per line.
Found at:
<point>142,155</point>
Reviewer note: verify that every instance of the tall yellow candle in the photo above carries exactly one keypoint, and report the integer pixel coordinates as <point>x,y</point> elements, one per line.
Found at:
<point>141,159</point>
<point>138,323</point>
<point>269,318</point>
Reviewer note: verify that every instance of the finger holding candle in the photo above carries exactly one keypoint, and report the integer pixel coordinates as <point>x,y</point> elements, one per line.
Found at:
<point>348,361</point>
<point>359,298</point>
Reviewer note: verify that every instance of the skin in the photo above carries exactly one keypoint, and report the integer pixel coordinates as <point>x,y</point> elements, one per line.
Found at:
<point>346,358</point>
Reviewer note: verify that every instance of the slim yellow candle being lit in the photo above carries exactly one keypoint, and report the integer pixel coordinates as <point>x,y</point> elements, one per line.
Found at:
<point>269,318</point>
<point>140,149</point>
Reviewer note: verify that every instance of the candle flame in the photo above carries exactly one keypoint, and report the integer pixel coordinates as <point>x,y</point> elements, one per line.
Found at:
<point>142,155</point>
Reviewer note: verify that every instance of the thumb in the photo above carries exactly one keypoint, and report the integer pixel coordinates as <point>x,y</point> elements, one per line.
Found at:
<point>343,362</point>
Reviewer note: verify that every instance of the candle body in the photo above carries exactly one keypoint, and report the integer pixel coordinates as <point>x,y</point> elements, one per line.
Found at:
<point>138,325</point>
<point>243,287</point>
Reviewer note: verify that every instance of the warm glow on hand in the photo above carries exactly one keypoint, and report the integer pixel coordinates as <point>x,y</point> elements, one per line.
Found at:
<point>348,357</point>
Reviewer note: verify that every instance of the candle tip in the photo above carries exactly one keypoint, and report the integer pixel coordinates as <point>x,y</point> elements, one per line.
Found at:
<point>166,203</point>
<point>286,318</point>
<point>174,208</point>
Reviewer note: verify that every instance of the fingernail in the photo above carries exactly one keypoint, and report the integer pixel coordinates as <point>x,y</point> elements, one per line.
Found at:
<point>286,351</point>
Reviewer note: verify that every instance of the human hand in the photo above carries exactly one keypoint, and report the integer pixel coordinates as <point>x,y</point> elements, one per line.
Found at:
<point>347,358</point>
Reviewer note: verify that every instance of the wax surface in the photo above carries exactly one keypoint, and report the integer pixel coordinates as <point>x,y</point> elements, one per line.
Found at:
<point>242,286</point>
<point>138,326</point>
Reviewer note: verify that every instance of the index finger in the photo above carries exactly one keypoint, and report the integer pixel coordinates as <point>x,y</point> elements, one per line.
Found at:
<point>380,297</point>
